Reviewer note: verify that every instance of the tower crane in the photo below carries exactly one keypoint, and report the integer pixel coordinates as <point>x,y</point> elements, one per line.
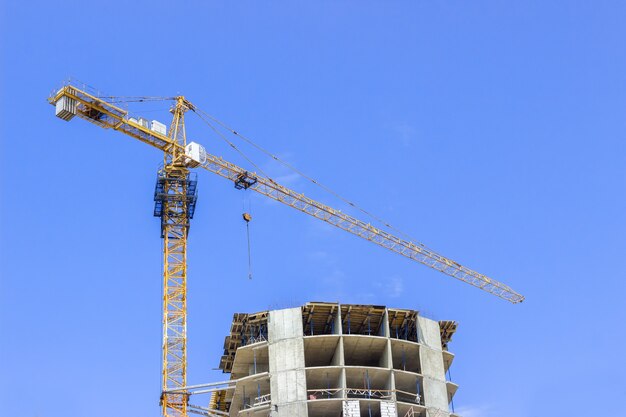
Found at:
<point>175,200</point>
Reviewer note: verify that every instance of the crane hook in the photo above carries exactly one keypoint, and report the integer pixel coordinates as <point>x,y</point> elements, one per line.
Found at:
<point>247,217</point>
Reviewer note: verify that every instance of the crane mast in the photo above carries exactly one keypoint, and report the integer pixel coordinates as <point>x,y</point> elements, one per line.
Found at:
<point>175,199</point>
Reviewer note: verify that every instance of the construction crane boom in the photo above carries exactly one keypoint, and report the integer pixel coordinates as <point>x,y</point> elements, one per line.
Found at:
<point>175,204</point>
<point>116,118</point>
<point>419,253</point>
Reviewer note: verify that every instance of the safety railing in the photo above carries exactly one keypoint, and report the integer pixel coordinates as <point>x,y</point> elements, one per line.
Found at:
<point>409,397</point>
<point>383,394</point>
<point>322,393</point>
<point>368,393</point>
<point>259,401</point>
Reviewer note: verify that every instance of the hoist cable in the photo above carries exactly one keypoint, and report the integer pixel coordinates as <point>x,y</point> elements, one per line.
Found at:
<point>249,251</point>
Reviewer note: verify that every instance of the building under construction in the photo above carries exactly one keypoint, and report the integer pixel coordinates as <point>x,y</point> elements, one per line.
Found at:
<point>331,360</point>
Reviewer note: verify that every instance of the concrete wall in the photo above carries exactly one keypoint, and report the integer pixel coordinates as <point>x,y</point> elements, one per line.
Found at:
<point>435,392</point>
<point>286,360</point>
<point>429,333</point>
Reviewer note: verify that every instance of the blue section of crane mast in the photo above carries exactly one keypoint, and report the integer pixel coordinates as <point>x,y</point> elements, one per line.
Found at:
<point>165,183</point>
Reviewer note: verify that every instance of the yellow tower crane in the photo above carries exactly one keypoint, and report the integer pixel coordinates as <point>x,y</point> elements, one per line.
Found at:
<point>175,199</point>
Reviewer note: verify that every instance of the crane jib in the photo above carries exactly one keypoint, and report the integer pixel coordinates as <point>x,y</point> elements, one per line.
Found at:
<point>104,114</point>
<point>270,188</point>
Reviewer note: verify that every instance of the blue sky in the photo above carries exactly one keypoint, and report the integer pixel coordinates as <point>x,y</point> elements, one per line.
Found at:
<point>493,132</point>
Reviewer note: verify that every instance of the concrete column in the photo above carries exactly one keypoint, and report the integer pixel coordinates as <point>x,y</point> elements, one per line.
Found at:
<point>286,363</point>
<point>338,358</point>
<point>385,327</point>
<point>392,386</point>
<point>338,329</point>
<point>342,382</point>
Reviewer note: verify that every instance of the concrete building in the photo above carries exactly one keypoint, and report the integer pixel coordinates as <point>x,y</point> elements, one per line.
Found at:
<point>332,360</point>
